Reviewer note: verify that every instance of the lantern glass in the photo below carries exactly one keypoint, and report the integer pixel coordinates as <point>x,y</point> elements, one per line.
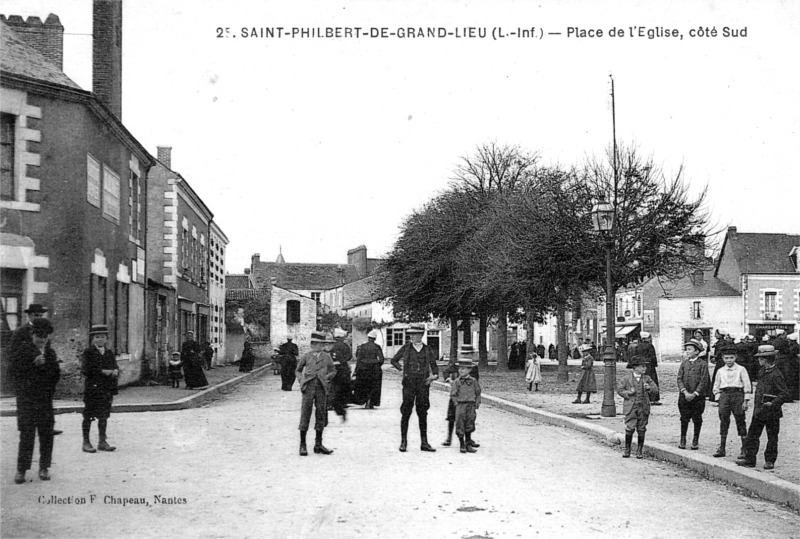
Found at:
<point>602,216</point>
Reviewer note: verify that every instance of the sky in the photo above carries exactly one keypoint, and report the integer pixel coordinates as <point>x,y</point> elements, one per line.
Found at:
<point>318,145</point>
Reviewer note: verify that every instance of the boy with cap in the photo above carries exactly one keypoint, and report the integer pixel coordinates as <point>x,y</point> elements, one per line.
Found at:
<point>693,384</point>
<point>99,367</point>
<point>732,389</point>
<point>638,389</point>
<point>315,370</point>
<point>771,393</point>
<point>465,394</point>
<point>35,372</point>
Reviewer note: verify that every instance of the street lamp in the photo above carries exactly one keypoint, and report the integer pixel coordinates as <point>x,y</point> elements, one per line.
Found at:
<point>603,222</point>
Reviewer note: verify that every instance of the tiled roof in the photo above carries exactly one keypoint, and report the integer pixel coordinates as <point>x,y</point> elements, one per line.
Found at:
<point>299,276</point>
<point>237,281</point>
<point>710,287</point>
<point>361,292</point>
<point>761,253</point>
<point>17,58</point>
<point>246,293</point>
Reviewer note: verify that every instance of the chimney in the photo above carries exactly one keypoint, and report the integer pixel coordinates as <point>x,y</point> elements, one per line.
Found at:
<point>165,155</point>
<point>731,230</point>
<point>254,260</point>
<point>247,271</point>
<point>107,53</point>
<point>358,257</point>
<point>47,38</point>
<point>698,277</point>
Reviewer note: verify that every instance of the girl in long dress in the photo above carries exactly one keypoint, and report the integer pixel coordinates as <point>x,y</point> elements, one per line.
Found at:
<point>588,383</point>
<point>533,371</point>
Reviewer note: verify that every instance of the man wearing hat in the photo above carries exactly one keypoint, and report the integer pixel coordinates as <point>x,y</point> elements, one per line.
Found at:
<point>35,372</point>
<point>289,354</point>
<point>340,386</point>
<point>465,394</point>
<point>647,352</point>
<point>693,384</point>
<point>638,389</point>
<point>315,370</point>
<point>368,373</point>
<point>771,393</point>
<point>732,389</point>
<point>783,359</point>
<point>793,380</point>
<point>99,367</point>
<point>419,370</point>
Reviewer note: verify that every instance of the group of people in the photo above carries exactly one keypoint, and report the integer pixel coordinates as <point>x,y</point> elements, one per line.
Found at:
<point>188,363</point>
<point>34,368</point>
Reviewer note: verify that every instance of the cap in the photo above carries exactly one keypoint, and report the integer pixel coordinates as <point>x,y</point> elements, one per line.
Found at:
<point>176,353</point>
<point>415,329</point>
<point>98,329</point>
<point>35,308</point>
<point>339,333</point>
<point>584,347</point>
<point>766,350</point>
<point>638,360</point>
<point>318,337</point>
<point>695,343</point>
<point>464,362</point>
<point>373,334</point>
<point>645,334</point>
<point>727,350</point>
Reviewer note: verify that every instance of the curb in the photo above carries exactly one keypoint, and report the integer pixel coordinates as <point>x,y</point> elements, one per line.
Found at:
<point>769,488</point>
<point>192,401</point>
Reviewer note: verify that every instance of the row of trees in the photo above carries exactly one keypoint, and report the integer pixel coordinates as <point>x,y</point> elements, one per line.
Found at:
<point>511,238</point>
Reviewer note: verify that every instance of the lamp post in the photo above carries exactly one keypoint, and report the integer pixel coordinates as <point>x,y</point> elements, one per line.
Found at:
<point>603,222</point>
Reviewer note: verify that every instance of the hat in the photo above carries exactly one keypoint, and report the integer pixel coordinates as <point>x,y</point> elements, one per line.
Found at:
<point>42,327</point>
<point>793,336</point>
<point>35,308</point>
<point>780,331</point>
<point>98,329</point>
<point>750,338</point>
<point>176,353</point>
<point>766,350</point>
<point>464,362</point>
<point>727,349</point>
<point>318,337</point>
<point>695,343</point>
<point>415,329</point>
<point>722,332</point>
<point>700,331</point>
<point>645,334</point>
<point>638,360</point>
<point>765,338</point>
<point>373,334</point>
<point>584,347</point>
<point>339,333</point>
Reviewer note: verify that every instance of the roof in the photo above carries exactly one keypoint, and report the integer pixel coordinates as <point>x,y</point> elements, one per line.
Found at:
<point>361,292</point>
<point>760,253</point>
<point>18,58</point>
<point>237,282</point>
<point>301,276</point>
<point>710,287</point>
<point>246,293</point>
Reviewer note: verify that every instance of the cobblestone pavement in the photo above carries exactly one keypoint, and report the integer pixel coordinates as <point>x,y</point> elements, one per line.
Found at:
<point>231,469</point>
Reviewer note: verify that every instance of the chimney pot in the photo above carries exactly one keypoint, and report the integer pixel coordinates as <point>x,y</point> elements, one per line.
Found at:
<point>165,155</point>
<point>45,38</point>
<point>731,230</point>
<point>107,53</point>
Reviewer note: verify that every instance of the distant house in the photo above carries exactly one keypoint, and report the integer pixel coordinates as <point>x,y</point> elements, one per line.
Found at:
<point>763,269</point>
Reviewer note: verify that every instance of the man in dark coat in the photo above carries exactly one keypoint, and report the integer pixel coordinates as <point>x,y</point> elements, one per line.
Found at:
<point>783,359</point>
<point>99,367</point>
<point>208,354</point>
<point>647,353</point>
<point>746,349</point>
<point>771,393</point>
<point>793,381</point>
<point>551,352</point>
<point>192,359</point>
<point>289,354</point>
<point>419,370</point>
<point>340,385</point>
<point>315,370</point>
<point>368,373</point>
<point>693,381</point>
<point>35,372</point>
<point>540,351</point>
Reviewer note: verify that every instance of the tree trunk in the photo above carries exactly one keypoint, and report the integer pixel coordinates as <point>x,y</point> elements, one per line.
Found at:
<point>483,351</point>
<point>453,339</point>
<point>530,341</point>
<point>502,340</point>
<point>563,349</point>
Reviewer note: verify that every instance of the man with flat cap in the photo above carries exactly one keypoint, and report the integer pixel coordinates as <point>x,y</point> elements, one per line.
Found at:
<point>638,389</point>
<point>693,386</point>
<point>315,370</point>
<point>419,370</point>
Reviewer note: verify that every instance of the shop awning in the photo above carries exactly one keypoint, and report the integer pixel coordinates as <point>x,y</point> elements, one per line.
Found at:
<point>623,331</point>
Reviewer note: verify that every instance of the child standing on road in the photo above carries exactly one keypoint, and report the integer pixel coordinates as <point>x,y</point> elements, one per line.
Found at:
<point>732,390</point>
<point>466,396</point>
<point>588,382</point>
<point>638,389</point>
<point>533,372</point>
<point>175,368</point>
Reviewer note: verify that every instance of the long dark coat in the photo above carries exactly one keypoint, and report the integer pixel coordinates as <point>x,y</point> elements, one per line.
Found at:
<point>588,381</point>
<point>35,385</point>
<point>192,359</point>
<point>369,376</point>
<point>98,388</point>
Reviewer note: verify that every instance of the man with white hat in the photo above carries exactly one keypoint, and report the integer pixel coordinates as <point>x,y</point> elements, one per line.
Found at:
<point>340,386</point>
<point>368,373</point>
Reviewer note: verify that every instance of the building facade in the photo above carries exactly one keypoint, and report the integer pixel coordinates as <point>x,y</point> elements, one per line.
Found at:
<point>218,242</point>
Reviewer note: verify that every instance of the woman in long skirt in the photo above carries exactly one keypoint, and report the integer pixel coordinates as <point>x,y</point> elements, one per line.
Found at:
<point>533,371</point>
<point>588,383</point>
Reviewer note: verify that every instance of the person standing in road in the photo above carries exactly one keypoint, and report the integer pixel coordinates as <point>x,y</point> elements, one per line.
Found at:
<point>771,393</point>
<point>419,370</point>
<point>647,352</point>
<point>465,394</point>
<point>315,370</point>
<point>732,389</point>
<point>99,367</point>
<point>638,389</point>
<point>192,359</point>
<point>693,382</point>
<point>368,373</point>
<point>533,371</point>
<point>35,372</point>
<point>208,354</point>
<point>289,354</point>
<point>340,386</point>
<point>793,380</point>
<point>588,381</point>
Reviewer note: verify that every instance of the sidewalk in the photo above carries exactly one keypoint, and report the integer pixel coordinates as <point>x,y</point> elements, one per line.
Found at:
<point>159,398</point>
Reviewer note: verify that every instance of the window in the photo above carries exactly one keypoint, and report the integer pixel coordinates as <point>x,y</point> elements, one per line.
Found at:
<point>134,206</point>
<point>92,181</point>
<point>292,312</point>
<point>110,194</point>
<point>315,296</point>
<point>121,324</point>
<point>770,302</point>
<point>7,155</point>
<point>696,311</point>
<point>98,300</point>
<point>11,283</point>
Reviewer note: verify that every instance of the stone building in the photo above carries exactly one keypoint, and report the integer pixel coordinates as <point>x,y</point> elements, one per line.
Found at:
<point>216,270</point>
<point>73,193</point>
